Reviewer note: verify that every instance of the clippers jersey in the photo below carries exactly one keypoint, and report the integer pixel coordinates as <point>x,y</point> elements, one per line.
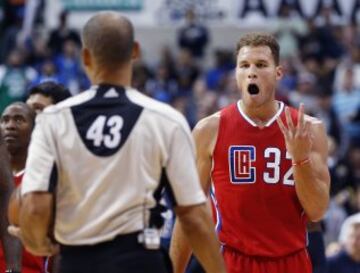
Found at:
<point>257,207</point>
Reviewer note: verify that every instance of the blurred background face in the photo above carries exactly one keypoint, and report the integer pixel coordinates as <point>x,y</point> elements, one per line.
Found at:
<point>16,127</point>
<point>352,245</point>
<point>38,102</point>
<point>256,75</point>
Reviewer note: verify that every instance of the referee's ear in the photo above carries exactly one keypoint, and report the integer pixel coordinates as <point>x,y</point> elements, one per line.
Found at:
<point>135,51</point>
<point>86,57</point>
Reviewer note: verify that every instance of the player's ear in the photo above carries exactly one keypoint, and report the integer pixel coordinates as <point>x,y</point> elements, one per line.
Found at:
<point>135,51</point>
<point>279,72</point>
<point>86,57</point>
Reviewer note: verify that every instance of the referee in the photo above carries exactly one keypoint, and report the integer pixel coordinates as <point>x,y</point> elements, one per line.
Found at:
<point>98,163</point>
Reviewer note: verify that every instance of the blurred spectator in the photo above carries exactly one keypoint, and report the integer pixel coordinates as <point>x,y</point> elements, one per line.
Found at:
<point>167,59</point>
<point>14,12</point>
<point>186,72</point>
<point>347,99</point>
<point>326,31</point>
<point>61,34</point>
<point>48,72</point>
<point>326,113</point>
<point>162,87</point>
<point>38,52</point>
<point>14,79</point>
<point>224,63</point>
<point>289,80</point>
<point>346,103</point>
<point>348,171</point>
<point>141,75</point>
<point>348,259</point>
<point>310,44</point>
<point>69,67</point>
<point>193,36</point>
<point>336,213</point>
<point>288,27</point>
<point>305,93</point>
<point>342,68</point>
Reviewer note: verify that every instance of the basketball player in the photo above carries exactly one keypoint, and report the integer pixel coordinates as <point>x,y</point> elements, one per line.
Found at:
<point>105,157</point>
<point>11,247</point>
<point>16,123</point>
<point>45,94</point>
<point>268,167</point>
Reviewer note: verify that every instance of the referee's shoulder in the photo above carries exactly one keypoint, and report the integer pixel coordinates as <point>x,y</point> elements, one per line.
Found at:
<point>158,108</point>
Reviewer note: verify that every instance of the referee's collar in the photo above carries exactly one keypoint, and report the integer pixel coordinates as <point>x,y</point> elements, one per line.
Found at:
<point>108,90</point>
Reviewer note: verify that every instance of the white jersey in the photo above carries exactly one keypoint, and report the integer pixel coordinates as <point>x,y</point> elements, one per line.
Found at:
<point>106,154</point>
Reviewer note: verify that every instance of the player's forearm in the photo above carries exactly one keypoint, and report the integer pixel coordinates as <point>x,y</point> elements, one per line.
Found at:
<point>312,190</point>
<point>180,250</point>
<point>35,219</point>
<point>199,230</point>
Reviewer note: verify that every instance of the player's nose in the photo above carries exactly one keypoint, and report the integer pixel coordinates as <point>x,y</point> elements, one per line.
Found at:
<point>252,72</point>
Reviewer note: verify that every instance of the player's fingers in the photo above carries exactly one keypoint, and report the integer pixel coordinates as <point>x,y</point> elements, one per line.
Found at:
<point>306,129</point>
<point>14,231</point>
<point>282,127</point>
<point>289,120</point>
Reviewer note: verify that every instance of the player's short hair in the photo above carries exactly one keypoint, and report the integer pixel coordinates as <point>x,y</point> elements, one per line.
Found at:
<point>30,112</point>
<point>110,38</point>
<point>260,39</point>
<point>56,91</point>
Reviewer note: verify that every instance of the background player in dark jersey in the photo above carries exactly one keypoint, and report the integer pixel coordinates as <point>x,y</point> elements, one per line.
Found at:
<point>269,178</point>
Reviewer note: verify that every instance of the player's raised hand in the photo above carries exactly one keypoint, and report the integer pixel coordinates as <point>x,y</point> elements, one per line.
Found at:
<point>297,138</point>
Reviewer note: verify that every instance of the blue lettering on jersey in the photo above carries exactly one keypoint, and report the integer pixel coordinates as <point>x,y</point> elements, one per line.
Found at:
<point>240,163</point>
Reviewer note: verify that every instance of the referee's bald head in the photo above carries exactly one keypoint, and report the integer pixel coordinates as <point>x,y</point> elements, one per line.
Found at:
<point>109,37</point>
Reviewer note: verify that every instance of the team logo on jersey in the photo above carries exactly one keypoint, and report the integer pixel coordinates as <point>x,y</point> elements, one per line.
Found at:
<point>240,163</point>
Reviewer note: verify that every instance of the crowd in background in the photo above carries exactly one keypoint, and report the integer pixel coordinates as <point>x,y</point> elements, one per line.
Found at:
<point>320,57</point>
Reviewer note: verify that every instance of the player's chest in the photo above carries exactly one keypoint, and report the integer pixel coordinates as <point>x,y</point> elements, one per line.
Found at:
<point>254,160</point>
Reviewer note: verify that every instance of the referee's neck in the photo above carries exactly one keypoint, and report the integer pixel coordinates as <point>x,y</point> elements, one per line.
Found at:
<point>120,76</point>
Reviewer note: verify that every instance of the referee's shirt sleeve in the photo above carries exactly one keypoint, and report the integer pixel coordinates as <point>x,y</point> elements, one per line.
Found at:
<point>185,188</point>
<point>40,170</point>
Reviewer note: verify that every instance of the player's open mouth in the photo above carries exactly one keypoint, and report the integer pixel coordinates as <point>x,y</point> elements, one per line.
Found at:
<point>253,89</point>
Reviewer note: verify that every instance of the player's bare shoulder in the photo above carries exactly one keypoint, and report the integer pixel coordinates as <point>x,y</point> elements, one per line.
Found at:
<point>206,131</point>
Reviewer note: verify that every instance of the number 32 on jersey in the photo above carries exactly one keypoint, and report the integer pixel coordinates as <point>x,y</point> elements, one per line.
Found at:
<point>243,171</point>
